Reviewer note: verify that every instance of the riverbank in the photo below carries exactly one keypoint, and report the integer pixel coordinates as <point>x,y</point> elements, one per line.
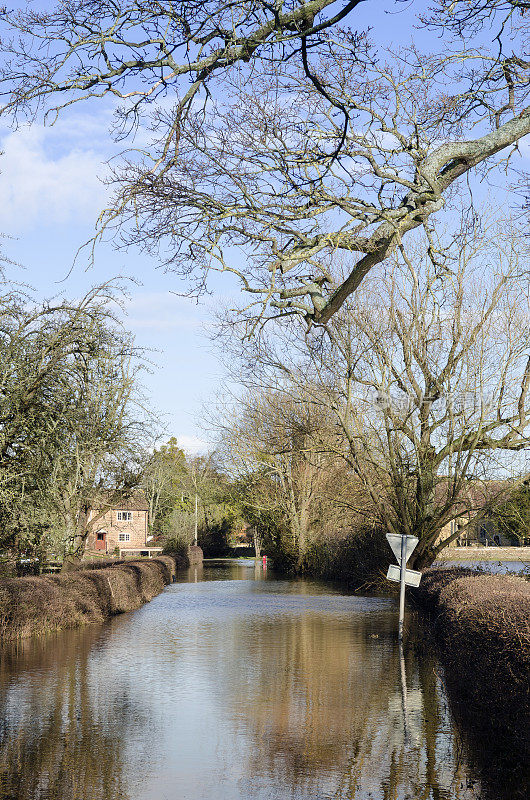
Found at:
<point>482,627</point>
<point>32,606</point>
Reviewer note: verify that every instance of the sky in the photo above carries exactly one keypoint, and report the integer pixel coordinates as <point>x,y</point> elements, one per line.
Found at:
<point>51,193</point>
<point>50,196</point>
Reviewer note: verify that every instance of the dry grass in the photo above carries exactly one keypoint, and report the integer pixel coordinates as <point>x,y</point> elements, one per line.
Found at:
<point>36,605</point>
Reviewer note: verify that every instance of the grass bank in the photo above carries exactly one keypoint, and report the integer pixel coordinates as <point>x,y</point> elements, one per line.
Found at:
<point>35,605</point>
<point>481,623</point>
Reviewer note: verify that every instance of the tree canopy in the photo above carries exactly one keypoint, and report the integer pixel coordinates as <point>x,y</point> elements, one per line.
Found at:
<point>273,128</point>
<point>72,426</point>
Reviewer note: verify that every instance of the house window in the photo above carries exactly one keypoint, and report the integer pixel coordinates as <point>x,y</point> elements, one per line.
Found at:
<point>101,537</point>
<point>124,516</point>
<point>124,537</point>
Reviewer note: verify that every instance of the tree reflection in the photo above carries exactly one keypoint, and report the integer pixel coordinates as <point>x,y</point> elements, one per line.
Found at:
<point>322,701</point>
<point>54,743</point>
<point>264,689</point>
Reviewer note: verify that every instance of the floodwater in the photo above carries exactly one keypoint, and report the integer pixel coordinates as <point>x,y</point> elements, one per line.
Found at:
<point>231,685</point>
<point>497,567</point>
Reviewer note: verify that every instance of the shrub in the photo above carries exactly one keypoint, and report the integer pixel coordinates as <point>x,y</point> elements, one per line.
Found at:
<point>357,558</point>
<point>482,625</point>
<point>36,605</point>
<point>214,539</point>
<point>177,548</point>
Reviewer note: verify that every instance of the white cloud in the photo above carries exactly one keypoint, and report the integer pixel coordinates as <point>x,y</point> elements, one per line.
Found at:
<point>44,180</point>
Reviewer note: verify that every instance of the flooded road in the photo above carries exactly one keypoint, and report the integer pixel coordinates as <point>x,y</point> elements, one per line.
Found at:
<point>230,685</point>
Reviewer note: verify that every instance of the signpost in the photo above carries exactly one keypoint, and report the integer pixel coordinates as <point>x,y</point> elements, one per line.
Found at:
<point>402,547</point>
<point>412,578</point>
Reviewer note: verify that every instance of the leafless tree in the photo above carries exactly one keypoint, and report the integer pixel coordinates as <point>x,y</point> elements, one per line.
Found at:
<point>427,372</point>
<point>141,52</point>
<point>308,140</point>
<point>276,444</point>
<point>255,176</point>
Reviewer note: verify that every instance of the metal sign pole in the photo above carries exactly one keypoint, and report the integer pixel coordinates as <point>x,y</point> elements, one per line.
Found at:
<point>403,567</point>
<point>402,547</point>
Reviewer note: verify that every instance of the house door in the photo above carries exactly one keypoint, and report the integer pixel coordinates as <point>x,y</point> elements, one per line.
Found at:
<point>101,540</point>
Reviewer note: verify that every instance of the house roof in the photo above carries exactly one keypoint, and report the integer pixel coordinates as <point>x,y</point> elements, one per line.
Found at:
<point>131,504</point>
<point>136,502</point>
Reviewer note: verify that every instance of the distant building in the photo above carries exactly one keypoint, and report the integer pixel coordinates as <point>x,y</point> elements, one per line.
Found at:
<point>483,532</point>
<point>122,530</point>
<point>477,499</point>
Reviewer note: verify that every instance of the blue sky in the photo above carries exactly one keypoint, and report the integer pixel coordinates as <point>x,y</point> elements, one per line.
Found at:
<point>50,197</point>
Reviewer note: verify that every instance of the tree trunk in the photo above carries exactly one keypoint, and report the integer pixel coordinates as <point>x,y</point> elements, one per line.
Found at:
<point>422,559</point>
<point>257,542</point>
<point>77,536</point>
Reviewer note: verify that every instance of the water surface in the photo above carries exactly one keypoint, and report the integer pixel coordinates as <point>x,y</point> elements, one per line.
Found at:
<point>231,685</point>
<point>496,567</point>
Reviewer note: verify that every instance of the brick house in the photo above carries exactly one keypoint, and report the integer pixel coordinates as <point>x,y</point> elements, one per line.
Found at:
<point>122,529</point>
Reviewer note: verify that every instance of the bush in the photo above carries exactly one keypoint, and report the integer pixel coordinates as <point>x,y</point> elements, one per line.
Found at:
<point>356,559</point>
<point>27,566</point>
<point>215,538</point>
<point>36,605</point>
<point>482,625</point>
<point>177,548</point>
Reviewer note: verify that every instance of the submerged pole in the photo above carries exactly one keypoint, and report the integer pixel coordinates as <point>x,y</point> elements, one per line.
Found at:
<point>402,585</point>
<point>403,692</point>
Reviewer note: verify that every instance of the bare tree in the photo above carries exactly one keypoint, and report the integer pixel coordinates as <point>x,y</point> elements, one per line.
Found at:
<point>139,52</point>
<point>427,373</point>
<point>275,446</point>
<point>312,142</point>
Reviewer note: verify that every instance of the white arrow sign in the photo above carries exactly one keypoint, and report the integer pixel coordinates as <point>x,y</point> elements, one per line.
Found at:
<point>394,540</point>
<point>412,578</point>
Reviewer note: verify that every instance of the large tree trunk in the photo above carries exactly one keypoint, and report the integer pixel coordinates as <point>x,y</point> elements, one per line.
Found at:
<point>422,559</point>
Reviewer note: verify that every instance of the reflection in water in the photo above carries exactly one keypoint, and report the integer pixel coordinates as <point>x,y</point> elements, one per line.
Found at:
<point>55,742</point>
<point>226,689</point>
<point>522,566</point>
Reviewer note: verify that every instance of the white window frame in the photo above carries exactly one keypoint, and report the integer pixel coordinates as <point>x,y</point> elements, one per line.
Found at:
<point>124,516</point>
<point>124,537</point>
